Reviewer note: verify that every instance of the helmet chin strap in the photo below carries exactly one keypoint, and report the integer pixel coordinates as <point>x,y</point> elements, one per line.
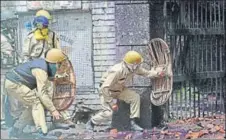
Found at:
<point>132,67</point>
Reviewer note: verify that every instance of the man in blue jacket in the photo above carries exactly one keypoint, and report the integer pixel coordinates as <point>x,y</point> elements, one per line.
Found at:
<point>28,83</point>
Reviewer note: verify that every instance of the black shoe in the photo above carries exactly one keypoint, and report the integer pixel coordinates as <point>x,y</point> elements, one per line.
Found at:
<point>134,126</point>
<point>41,133</point>
<point>108,129</point>
<point>90,126</point>
<point>162,126</point>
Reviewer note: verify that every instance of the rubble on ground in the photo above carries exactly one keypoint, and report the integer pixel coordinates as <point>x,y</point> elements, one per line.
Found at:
<point>190,128</point>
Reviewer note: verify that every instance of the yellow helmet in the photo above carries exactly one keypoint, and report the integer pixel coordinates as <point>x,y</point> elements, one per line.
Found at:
<point>55,55</point>
<point>44,13</point>
<point>133,57</point>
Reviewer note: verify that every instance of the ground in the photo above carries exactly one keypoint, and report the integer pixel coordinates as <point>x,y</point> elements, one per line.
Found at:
<point>192,128</point>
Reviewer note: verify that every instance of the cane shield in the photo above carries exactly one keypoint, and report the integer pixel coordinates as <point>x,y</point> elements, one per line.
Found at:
<point>64,86</point>
<point>159,53</point>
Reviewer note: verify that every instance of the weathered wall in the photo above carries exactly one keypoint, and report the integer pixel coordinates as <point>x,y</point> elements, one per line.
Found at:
<point>132,32</point>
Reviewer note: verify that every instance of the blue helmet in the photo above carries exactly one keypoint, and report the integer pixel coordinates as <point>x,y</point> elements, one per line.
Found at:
<point>41,22</point>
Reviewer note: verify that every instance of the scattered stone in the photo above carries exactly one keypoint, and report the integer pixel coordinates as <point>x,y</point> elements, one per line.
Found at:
<point>193,128</point>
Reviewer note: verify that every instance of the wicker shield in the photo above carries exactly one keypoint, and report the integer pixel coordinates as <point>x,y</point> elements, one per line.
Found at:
<point>159,53</point>
<point>64,86</point>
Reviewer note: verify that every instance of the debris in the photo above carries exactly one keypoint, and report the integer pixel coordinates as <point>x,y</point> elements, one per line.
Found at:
<point>191,128</point>
<point>210,126</point>
<point>128,136</point>
<point>222,130</point>
<point>113,133</point>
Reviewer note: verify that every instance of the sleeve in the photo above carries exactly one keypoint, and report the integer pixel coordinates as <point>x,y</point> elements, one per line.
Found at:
<point>111,79</point>
<point>147,73</point>
<point>42,89</point>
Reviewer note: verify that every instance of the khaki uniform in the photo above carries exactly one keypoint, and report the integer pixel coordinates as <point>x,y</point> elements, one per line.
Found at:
<point>33,49</point>
<point>36,48</point>
<point>113,86</point>
<point>33,100</point>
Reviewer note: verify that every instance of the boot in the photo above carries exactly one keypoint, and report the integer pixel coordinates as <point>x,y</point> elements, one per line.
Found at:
<point>134,126</point>
<point>90,126</point>
<point>41,133</point>
<point>107,129</point>
<point>162,126</point>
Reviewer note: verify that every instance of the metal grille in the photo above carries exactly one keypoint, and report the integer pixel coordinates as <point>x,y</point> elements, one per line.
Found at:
<point>195,34</point>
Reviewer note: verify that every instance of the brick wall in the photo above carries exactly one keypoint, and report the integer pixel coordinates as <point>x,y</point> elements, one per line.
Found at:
<point>103,19</point>
<point>103,16</point>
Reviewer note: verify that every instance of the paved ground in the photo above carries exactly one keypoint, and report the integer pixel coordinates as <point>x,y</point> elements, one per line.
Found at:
<point>4,134</point>
<point>193,128</point>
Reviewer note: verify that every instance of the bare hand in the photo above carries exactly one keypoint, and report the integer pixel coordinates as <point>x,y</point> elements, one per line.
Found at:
<point>161,71</point>
<point>161,74</point>
<point>114,107</point>
<point>56,115</point>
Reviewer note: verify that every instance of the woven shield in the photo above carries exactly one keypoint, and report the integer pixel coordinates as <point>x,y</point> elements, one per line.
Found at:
<point>159,54</point>
<point>64,86</point>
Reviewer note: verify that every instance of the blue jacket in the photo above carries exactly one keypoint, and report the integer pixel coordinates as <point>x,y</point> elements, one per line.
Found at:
<point>23,72</point>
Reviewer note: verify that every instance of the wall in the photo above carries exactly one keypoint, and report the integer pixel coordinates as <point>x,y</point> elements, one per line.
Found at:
<point>132,32</point>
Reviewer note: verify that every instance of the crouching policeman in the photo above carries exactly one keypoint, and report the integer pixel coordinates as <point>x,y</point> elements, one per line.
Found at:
<point>28,83</point>
<point>113,87</point>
